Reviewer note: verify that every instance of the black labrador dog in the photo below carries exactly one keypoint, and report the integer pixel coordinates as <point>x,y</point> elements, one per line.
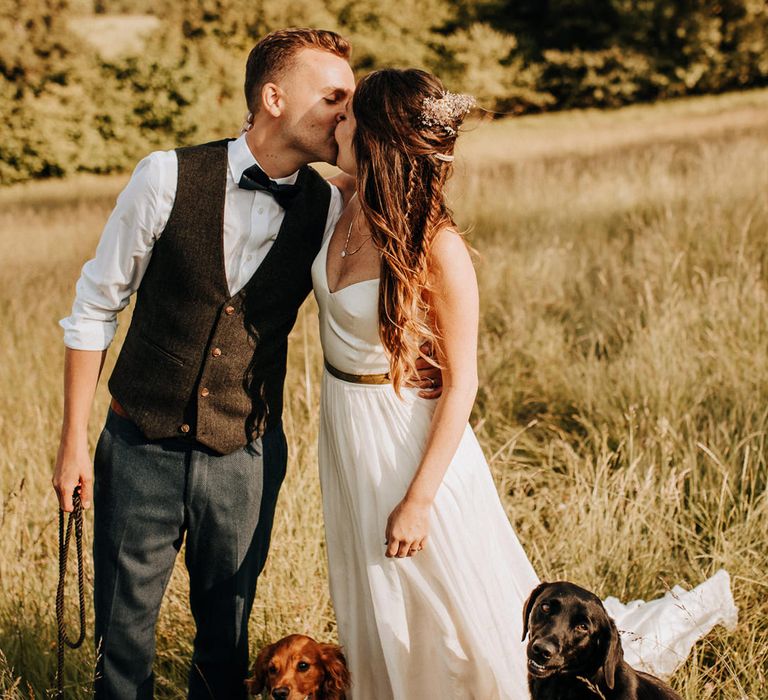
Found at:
<point>574,650</point>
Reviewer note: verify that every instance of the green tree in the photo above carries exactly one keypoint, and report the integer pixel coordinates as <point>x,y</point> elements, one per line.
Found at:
<point>41,76</point>
<point>484,62</point>
<point>402,34</point>
<point>63,108</point>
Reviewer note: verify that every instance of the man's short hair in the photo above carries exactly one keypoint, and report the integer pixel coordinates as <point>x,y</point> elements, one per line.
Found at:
<point>275,54</point>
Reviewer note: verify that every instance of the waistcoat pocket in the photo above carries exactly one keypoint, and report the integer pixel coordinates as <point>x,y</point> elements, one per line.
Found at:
<point>161,350</point>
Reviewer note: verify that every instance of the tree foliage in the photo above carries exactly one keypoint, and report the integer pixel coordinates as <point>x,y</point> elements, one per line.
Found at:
<point>43,69</point>
<point>64,108</point>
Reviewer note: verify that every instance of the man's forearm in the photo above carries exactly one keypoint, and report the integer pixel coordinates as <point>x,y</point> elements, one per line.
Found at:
<point>82,369</point>
<point>74,469</point>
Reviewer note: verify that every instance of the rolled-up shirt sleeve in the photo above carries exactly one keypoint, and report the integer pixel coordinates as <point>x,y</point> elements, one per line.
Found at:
<point>108,280</point>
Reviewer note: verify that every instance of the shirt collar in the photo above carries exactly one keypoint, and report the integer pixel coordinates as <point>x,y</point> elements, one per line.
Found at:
<point>240,158</point>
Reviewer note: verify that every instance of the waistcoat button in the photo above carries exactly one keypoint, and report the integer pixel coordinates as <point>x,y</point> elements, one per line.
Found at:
<point>204,391</point>
<point>184,428</point>
<point>229,310</point>
<point>216,352</point>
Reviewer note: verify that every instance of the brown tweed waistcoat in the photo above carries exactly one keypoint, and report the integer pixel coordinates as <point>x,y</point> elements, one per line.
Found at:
<point>198,362</point>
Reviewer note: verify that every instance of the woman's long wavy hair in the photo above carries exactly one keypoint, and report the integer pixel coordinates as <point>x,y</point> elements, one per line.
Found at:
<point>400,185</point>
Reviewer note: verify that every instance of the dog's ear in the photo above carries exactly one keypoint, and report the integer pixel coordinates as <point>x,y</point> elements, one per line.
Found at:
<point>535,593</point>
<point>258,680</point>
<point>614,654</point>
<point>337,679</point>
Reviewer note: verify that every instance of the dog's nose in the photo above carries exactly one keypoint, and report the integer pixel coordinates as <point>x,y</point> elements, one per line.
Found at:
<point>281,693</point>
<point>543,651</point>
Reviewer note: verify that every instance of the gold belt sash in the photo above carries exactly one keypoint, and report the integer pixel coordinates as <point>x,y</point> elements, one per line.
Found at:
<point>357,378</point>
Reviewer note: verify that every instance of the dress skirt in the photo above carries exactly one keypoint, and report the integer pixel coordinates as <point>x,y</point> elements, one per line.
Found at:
<point>445,623</point>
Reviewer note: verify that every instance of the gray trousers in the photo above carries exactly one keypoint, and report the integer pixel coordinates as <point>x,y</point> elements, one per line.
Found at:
<point>148,497</point>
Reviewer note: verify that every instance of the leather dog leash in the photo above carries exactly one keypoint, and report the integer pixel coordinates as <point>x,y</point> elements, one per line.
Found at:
<point>64,536</point>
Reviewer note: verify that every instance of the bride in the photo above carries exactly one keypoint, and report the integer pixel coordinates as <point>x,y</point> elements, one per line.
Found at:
<point>427,577</point>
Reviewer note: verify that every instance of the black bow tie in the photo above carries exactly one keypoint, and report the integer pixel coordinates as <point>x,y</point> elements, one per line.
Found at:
<point>254,178</point>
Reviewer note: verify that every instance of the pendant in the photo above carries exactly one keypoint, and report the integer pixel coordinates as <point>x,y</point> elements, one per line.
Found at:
<point>343,253</point>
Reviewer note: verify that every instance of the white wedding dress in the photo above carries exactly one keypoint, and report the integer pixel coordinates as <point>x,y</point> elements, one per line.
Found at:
<point>447,622</point>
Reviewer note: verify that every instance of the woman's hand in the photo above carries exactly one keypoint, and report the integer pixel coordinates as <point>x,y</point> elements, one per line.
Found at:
<point>407,528</point>
<point>247,123</point>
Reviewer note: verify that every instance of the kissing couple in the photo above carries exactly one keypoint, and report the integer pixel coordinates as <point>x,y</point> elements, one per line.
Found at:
<point>221,243</point>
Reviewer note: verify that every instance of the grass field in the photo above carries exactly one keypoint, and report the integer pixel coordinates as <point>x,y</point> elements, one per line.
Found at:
<point>624,380</point>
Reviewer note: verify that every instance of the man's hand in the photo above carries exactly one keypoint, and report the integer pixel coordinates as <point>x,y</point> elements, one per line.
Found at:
<point>74,470</point>
<point>430,379</point>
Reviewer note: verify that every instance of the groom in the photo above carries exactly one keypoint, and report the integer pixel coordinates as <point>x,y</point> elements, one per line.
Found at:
<point>217,242</point>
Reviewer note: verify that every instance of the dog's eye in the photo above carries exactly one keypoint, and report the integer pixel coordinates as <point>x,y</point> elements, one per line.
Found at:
<point>272,670</point>
<point>303,666</point>
<point>546,608</point>
<point>582,627</point>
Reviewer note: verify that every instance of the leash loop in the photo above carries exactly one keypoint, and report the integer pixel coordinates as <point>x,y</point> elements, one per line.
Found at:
<point>75,516</point>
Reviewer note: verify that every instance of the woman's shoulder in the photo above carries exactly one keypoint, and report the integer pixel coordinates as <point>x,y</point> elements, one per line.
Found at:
<point>449,245</point>
<point>448,237</point>
<point>346,184</point>
<point>449,258</point>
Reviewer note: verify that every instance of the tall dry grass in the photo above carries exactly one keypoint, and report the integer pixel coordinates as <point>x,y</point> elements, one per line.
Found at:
<point>624,391</point>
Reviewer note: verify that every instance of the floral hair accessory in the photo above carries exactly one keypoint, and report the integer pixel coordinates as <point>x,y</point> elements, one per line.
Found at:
<point>445,111</point>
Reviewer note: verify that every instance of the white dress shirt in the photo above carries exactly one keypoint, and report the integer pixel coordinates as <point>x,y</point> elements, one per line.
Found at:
<point>252,219</point>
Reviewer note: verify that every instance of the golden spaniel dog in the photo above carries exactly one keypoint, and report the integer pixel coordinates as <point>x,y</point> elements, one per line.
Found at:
<point>299,668</point>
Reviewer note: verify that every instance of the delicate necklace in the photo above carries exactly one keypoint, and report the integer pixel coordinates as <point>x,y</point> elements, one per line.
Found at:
<point>346,252</point>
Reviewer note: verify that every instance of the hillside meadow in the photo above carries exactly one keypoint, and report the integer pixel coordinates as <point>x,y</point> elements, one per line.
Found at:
<point>623,359</point>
